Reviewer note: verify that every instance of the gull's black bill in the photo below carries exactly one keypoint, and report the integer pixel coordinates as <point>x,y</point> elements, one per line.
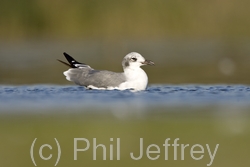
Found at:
<point>148,62</point>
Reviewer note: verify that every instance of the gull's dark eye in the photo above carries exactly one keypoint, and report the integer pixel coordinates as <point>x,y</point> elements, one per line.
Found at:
<point>133,59</point>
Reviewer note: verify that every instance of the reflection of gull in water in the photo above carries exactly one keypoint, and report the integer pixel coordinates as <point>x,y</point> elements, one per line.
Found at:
<point>133,76</point>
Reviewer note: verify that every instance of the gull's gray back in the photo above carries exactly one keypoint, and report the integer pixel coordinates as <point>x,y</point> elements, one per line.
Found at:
<point>100,79</point>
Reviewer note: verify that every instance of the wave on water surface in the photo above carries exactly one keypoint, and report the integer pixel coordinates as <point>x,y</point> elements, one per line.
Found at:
<point>42,97</point>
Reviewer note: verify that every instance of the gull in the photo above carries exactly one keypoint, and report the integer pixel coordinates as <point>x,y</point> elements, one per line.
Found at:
<point>132,77</point>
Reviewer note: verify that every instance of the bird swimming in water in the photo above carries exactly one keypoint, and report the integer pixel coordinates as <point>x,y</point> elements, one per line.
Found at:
<point>132,77</point>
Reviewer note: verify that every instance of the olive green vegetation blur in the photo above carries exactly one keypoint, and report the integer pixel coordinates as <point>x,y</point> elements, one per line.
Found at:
<point>134,18</point>
<point>18,133</point>
<point>189,41</point>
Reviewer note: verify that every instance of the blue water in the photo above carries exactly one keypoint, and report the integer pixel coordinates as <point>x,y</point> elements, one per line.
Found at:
<point>34,98</point>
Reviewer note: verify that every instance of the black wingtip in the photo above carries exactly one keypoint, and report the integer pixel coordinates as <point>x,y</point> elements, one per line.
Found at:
<point>65,54</point>
<point>64,63</point>
<point>68,57</point>
<point>71,60</point>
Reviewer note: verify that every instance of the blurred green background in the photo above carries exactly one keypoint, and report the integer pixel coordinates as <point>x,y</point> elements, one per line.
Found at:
<point>193,41</point>
<point>226,127</point>
<point>190,41</point>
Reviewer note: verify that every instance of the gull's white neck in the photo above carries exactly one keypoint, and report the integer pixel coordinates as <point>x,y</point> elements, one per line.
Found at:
<point>136,79</point>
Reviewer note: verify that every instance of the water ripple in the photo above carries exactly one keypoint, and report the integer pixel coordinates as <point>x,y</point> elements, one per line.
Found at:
<point>55,96</point>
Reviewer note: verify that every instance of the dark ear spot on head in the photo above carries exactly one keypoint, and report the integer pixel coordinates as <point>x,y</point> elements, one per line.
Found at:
<point>126,63</point>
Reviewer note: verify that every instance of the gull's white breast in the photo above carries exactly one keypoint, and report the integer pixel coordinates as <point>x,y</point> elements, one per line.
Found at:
<point>136,79</point>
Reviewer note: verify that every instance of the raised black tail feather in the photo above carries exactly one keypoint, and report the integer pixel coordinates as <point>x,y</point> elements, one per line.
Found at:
<point>71,60</point>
